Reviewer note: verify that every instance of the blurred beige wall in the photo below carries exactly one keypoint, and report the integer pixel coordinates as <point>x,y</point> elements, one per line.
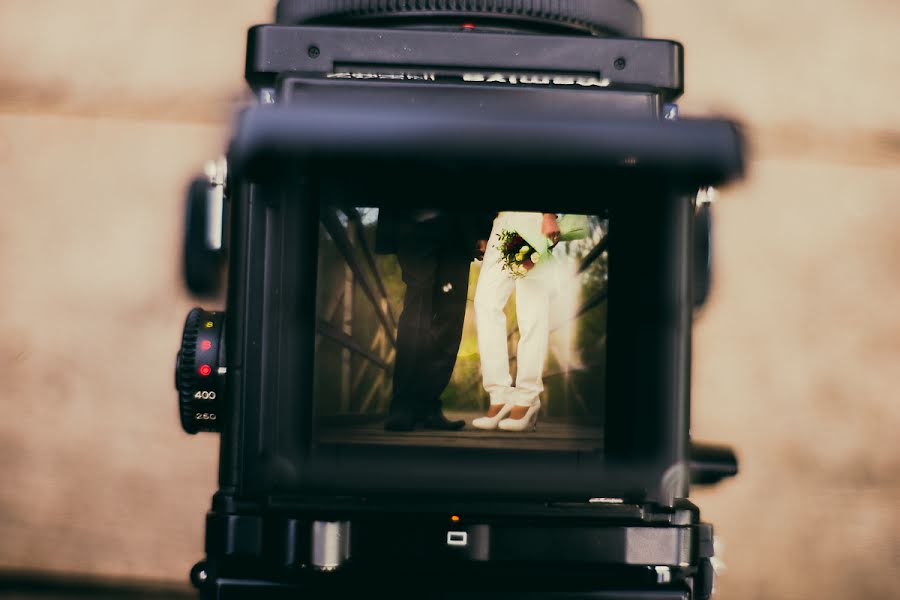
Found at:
<point>106,110</point>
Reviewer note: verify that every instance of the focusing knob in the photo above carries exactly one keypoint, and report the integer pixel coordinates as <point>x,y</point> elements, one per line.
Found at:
<point>601,17</point>
<point>199,371</point>
<point>203,250</point>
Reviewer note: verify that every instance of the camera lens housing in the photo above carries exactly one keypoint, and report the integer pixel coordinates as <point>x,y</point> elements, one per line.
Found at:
<point>621,18</point>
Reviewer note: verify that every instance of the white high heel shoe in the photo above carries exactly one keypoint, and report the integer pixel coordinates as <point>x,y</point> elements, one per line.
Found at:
<point>489,422</point>
<point>528,421</point>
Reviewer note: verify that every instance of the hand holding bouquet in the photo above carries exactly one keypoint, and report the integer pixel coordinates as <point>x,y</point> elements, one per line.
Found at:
<point>533,238</point>
<point>516,255</point>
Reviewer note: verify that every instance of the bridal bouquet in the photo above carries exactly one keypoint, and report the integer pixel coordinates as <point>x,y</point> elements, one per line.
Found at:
<point>516,255</point>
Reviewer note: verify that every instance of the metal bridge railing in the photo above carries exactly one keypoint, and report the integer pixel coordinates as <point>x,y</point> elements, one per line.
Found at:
<point>359,258</point>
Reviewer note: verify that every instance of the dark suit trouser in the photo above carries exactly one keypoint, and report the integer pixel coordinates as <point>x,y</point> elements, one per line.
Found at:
<point>435,270</point>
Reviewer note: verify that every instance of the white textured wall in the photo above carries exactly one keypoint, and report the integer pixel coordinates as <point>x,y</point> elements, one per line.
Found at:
<point>106,110</point>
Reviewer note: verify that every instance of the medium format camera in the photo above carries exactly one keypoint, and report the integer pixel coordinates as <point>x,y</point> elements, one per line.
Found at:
<point>464,243</point>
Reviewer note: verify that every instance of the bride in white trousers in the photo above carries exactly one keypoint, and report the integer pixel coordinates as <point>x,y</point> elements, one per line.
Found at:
<point>515,408</point>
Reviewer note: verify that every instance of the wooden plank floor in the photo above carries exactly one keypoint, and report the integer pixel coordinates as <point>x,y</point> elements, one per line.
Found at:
<point>551,434</point>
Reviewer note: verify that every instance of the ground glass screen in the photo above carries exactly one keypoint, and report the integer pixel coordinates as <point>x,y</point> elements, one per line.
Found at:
<point>462,329</point>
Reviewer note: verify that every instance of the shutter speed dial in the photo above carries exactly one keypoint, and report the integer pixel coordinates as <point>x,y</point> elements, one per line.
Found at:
<point>200,371</point>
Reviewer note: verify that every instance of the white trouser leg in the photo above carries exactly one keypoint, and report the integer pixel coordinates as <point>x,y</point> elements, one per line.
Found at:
<point>491,295</point>
<point>533,316</point>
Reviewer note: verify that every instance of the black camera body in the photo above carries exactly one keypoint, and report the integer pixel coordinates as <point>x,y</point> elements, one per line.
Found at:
<point>451,108</point>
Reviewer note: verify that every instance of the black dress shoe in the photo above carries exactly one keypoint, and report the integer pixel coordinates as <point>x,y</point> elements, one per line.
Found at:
<point>437,420</point>
<point>401,421</point>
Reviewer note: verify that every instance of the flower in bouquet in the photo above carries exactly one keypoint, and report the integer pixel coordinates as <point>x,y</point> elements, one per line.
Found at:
<point>516,256</point>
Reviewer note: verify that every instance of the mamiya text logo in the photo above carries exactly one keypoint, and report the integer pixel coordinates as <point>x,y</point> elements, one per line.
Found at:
<point>475,77</point>
<point>424,76</point>
<point>516,79</point>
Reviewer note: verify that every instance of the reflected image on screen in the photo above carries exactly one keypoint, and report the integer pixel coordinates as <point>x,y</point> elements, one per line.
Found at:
<point>455,329</point>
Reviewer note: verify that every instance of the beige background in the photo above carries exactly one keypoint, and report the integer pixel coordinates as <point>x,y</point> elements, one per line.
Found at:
<point>108,107</point>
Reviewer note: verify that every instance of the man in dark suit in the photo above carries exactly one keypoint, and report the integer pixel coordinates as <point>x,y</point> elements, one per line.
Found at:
<point>434,249</point>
